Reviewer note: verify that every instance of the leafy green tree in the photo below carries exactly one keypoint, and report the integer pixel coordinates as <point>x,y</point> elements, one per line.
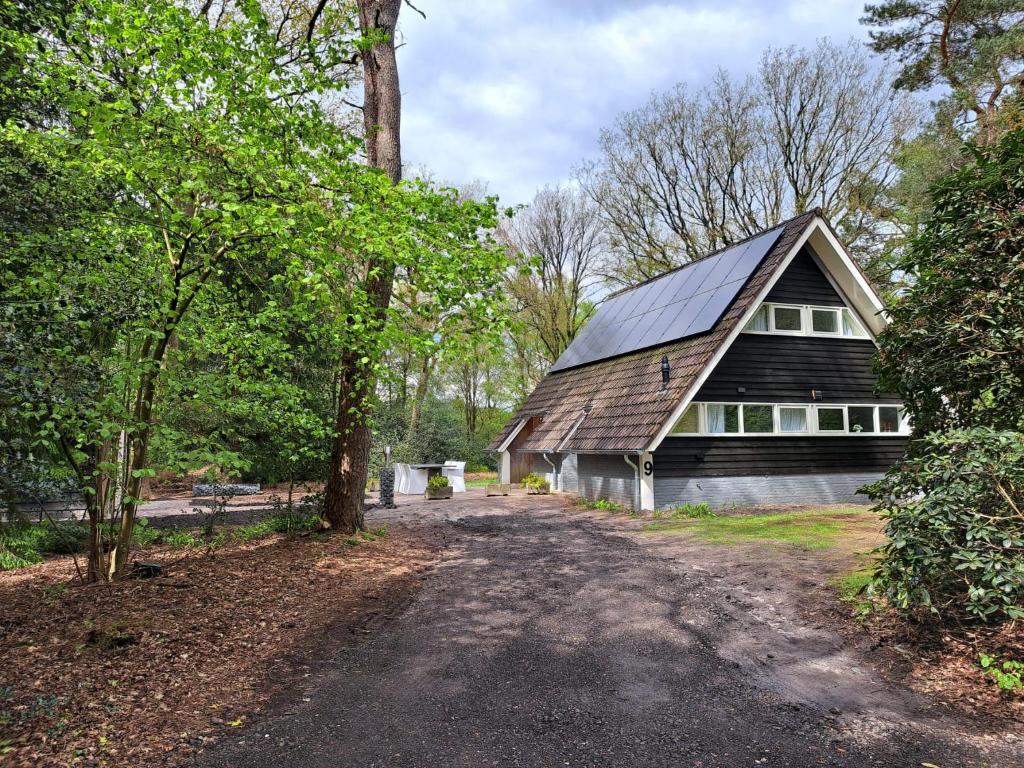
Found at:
<point>955,347</point>
<point>226,230</point>
<point>218,157</point>
<point>955,352</point>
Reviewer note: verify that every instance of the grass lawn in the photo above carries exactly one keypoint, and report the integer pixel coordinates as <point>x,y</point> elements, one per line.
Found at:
<point>478,479</point>
<point>807,529</point>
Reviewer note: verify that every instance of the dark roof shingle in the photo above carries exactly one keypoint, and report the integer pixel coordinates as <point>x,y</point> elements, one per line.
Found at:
<point>628,406</point>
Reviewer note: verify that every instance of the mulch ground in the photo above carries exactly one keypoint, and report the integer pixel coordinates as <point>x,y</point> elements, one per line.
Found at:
<point>145,672</point>
<point>941,661</point>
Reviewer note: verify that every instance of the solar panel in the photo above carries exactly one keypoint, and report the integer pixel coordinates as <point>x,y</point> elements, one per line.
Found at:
<point>681,303</point>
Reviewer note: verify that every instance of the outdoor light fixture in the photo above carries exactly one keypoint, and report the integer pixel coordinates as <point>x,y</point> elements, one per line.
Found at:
<point>817,394</point>
<point>664,372</point>
<point>387,454</point>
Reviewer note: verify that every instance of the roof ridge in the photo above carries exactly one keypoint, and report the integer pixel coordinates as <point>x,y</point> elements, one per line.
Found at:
<point>716,252</point>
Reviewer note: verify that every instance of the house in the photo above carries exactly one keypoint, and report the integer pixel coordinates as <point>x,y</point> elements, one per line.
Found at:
<point>741,378</point>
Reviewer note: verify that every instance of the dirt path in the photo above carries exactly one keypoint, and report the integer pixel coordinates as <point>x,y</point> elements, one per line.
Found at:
<point>549,638</point>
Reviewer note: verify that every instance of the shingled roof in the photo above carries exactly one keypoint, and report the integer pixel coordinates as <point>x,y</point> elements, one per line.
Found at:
<point>627,407</point>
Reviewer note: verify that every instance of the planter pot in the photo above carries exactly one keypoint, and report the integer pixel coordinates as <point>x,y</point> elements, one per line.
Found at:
<point>439,493</point>
<point>539,490</point>
<point>499,489</point>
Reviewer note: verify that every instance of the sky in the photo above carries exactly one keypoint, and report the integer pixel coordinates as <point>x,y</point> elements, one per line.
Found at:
<point>514,93</point>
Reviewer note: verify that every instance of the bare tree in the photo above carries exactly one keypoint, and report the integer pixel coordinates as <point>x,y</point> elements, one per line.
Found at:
<point>690,172</point>
<point>562,234</point>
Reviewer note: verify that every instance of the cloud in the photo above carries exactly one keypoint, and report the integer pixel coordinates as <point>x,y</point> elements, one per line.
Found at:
<point>516,93</point>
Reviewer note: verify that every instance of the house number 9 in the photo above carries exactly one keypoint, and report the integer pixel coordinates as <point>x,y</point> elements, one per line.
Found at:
<point>648,467</point>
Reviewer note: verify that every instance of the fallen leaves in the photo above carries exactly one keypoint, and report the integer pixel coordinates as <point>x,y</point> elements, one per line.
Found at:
<point>135,674</point>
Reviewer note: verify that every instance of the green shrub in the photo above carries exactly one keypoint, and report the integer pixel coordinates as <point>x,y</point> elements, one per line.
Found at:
<point>62,537</point>
<point>954,516</point>
<point>692,511</point>
<point>14,555</point>
<point>282,522</point>
<point>143,534</point>
<point>603,504</point>
<point>437,482</point>
<point>1009,675</point>
<point>535,481</point>
<point>178,539</point>
<point>23,544</point>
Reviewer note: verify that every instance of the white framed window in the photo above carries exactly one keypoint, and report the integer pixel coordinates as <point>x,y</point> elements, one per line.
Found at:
<point>792,418</point>
<point>805,320</point>
<point>760,323</point>
<point>851,325</point>
<point>825,321</point>
<point>890,419</point>
<point>722,418</point>
<point>689,422</point>
<point>759,419</point>
<point>830,419</point>
<point>860,418</point>
<point>787,319</point>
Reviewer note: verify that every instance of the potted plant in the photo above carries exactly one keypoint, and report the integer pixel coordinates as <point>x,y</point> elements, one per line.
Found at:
<point>498,489</point>
<point>438,488</point>
<point>535,484</point>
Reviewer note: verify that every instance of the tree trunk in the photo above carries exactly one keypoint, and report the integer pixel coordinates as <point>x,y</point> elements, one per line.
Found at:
<point>382,105</point>
<point>422,385</point>
<point>350,454</point>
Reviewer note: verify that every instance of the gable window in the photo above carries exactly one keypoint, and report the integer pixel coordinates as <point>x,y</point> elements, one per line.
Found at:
<point>788,319</point>
<point>851,327</point>
<point>732,419</point>
<point>759,322</point>
<point>805,320</point>
<point>824,320</point>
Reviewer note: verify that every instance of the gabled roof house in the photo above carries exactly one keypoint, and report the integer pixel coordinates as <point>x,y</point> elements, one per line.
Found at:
<point>740,378</point>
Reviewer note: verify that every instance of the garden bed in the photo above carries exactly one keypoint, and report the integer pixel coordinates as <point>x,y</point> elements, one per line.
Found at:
<point>144,672</point>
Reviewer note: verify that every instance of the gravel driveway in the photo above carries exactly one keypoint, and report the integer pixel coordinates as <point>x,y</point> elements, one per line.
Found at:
<point>548,638</point>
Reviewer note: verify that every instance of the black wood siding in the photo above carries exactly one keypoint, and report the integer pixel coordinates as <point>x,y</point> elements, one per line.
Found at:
<point>724,456</point>
<point>803,282</point>
<point>784,369</point>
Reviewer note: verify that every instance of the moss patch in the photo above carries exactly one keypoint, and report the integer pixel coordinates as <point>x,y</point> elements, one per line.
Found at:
<point>851,585</point>
<point>809,529</point>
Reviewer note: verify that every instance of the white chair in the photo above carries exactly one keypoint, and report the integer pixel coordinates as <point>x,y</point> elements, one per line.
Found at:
<point>416,482</point>
<point>455,471</point>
